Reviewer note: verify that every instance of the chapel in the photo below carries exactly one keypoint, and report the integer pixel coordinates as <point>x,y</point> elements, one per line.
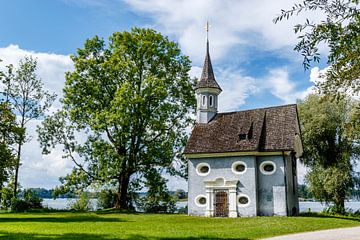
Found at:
<point>241,163</point>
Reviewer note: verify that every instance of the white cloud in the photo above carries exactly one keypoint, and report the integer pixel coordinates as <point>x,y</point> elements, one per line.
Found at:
<point>242,23</point>
<point>282,87</point>
<point>51,67</point>
<point>236,88</point>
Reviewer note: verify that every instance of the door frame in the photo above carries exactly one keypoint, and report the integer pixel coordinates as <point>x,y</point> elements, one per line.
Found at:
<point>221,184</point>
<point>224,212</point>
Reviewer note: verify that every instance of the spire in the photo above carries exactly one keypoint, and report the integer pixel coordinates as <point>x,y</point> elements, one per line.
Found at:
<point>207,79</point>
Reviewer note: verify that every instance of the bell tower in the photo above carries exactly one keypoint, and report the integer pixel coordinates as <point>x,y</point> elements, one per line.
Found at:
<point>207,89</point>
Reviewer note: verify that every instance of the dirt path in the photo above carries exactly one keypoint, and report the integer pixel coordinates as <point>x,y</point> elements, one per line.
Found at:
<point>331,234</point>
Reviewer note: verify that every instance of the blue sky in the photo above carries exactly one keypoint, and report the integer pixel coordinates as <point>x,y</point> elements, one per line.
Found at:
<point>252,57</point>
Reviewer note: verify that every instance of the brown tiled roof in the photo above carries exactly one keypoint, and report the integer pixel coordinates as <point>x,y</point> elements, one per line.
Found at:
<point>267,129</point>
<point>207,79</point>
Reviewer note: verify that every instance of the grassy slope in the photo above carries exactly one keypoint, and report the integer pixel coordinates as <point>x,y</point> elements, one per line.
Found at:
<point>151,226</point>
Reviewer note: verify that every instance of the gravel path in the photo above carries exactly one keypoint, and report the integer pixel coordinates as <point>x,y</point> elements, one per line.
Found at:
<point>331,234</point>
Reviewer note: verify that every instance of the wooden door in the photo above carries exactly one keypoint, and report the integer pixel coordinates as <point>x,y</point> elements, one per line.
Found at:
<point>221,203</point>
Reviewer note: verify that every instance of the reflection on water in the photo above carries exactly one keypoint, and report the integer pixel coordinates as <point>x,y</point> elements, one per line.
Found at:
<point>65,203</point>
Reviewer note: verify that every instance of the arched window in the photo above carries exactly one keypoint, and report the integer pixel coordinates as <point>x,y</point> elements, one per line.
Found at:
<point>211,100</point>
<point>203,100</point>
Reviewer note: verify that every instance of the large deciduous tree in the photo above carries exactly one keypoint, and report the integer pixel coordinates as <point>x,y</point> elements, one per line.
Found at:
<point>331,138</point>
<point>28,100</point>
<point>340,31</point>
<point>129,99</point>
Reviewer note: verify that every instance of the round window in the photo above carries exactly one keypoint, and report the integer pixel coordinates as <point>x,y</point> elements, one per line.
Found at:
<point>238,167</point>
<point>203,169</point>
<point>200,200</point>
<point>243,200</point>
<point>267,167</point>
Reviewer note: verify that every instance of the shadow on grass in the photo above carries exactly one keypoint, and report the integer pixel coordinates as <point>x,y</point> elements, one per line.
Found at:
<point>321,215</point>
<point>77,236</point>
<point>62,219</point>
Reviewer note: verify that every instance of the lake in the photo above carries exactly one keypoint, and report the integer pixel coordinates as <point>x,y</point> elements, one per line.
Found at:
<point>64,203</point>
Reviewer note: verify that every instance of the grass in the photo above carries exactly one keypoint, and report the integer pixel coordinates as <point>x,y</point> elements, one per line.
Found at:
<point>110,225</point>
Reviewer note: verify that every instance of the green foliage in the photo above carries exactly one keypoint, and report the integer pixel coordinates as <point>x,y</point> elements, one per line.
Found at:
<point>7,195</point>
<point>330,184</point>
<point>9,134</point>
<point>28,99</point>
<point>304,192</point>
<point>106,199</point>
<point>28,201</point>
<point>82,203</point>
<point>340,31</point>
<point>158,198</point>
<point>130,97</point>
<point>330,134</point>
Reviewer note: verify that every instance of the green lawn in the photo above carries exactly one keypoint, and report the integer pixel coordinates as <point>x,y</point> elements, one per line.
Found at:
<point>67,225</point>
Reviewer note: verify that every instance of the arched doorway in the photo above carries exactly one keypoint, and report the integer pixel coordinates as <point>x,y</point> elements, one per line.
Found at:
<point>221,203</point>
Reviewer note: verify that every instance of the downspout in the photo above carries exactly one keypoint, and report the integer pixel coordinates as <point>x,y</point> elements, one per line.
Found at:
<point>285,181</point>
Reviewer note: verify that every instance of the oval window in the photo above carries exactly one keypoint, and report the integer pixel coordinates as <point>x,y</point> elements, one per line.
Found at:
<point>268,167</point>
<point>200,201</point>
<point>243,200</point>
<point>203,100</point>
<point>203,169</point>
<point>238,167</point>
<point>211,100</point>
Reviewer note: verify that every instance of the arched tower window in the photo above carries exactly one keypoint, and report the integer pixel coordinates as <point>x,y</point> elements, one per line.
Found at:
<point>211,100</point>
<point>203,100</point>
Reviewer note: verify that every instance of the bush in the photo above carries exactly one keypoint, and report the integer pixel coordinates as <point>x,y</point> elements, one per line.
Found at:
<point>19,205</point>
<point>6,197</point>
<point>106,199</point>
<point>82,203</point>
<point>334,210</point>
<point>27,202</point>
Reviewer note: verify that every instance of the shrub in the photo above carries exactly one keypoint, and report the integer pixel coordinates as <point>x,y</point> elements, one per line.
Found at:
<point>82,203</point>
<point>6,197</point>
<point>106,199</point>
<point>29,201</point>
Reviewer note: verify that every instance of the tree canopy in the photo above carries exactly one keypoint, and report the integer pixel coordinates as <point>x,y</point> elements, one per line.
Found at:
<point>340,31</point>
<point>130,100</point>
<point>331,138</point>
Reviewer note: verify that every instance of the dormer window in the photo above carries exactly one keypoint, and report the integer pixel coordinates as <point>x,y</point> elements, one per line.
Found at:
<point>203,100</point>
<point>242,136</point>
<point>211,100</point>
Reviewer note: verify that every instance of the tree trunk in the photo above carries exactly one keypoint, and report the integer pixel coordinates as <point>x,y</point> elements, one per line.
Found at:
<point>122,194</point>
<point>340,206</point>
<point>17,170</point>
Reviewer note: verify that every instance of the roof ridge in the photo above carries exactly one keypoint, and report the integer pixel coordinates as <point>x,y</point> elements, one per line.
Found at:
<point>264,108</point>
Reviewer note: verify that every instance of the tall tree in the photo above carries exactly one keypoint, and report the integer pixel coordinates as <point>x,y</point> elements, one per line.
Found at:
<point>331,137</point>
<point>340,31</point>
<point>130,98</point>
<point>29,100</point>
